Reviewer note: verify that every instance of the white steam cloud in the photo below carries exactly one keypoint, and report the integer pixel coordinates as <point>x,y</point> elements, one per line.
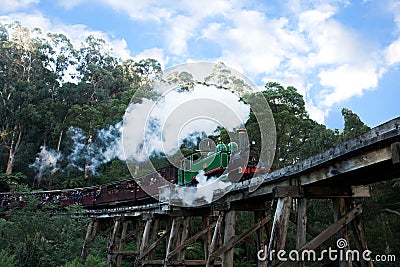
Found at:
<point>46,161</point>
<point>152,127</point>
<point>160,127</point>
<point>91,152</point>
<point>206,191</point>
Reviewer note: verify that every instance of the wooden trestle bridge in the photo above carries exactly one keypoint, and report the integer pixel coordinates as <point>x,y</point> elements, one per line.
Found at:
<point>342,173</point>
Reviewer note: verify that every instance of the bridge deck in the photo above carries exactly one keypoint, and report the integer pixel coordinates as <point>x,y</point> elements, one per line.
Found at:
<point>365,159</point>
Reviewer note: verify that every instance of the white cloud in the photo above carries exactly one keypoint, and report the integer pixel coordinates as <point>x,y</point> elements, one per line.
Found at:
<point>316,113</point>
<point>140,10</point>
<point>392,53</point>
<point>155,53</point>
<point>346,81</point>
<point>70,3</point>
<point>305,46</point>
<point>13,5</point>
<point>393,7</point>
<point>76,33</point>
<point>180,29</point>
<point>345,63</point>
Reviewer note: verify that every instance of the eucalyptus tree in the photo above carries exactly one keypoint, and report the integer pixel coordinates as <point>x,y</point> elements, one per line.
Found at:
<point>353,125</point>
<point>24,86</point>
<point>293,125</point>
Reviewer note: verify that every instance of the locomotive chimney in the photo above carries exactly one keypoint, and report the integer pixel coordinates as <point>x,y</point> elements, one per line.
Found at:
<point>243,141</point>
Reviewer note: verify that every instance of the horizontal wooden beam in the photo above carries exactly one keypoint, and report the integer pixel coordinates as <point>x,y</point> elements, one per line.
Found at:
<point>287,191</point>
<point>337,191</point>
<point>395,152</point>
<point>323,191</point>
<point>181,263</point>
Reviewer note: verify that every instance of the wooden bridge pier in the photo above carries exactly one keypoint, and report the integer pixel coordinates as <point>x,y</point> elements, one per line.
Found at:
<point>345,212</point>
<point>174,231</point>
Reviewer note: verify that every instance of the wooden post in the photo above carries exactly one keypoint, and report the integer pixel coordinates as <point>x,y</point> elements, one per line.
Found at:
<point>359,235</point>
<point>154,236</point>
<point>122,242</point>
<point>231,243</point>
<point>301,238</point>
<point>111,243</point>
<point>279,228</point>
<point>327,233</point>
<point>173,237</point>
<point>339,210</point>
<point>94,231</point>
<point>261,236</point>
<point>89,232</point>
<point>145,237</point>
<point>206,237</point>
<point>138,236</point>
<point>185,232</point>
<point>214,240</point>
<point>230,222</point>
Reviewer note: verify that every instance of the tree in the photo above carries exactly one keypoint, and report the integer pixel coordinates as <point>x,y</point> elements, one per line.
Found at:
<point>293,125</point>
<point>353,125</point>
<point>320,139</point>
<point>222,77</point>
<point>23,72</point>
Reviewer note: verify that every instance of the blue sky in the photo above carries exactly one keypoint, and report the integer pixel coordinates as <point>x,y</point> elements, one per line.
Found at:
<point>337,53</point>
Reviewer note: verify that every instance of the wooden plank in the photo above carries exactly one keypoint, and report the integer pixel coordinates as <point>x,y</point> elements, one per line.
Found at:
<point>138,227</point>
<point>279,228</point>
<point>111,243</point>
<point>122,242</point>
<point>173,235</point>
<point>395,147</point>
<point>293,191</point>
<point>229,233</point>
<point>154,235</point>
<point>214,240</point>
<point>333,191</point>
<point>153,246</point>
<point>184,236</point>
<point>236,239</point>
<point>359,235</point>
<point>301,237</point>
<point>193,238</point>
<point>327,233</point>
<point>145,236</point>
<point>347,165</point>
<point>86,240</point>
<point>206,236</point>
<point>319,173</point>
<point>181,263</point>
<point>311,230</point>
<point>339,206</point>
<point>261,236</point>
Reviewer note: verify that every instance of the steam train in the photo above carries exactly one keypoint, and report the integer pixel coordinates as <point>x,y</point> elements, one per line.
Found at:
<point>230,162</point>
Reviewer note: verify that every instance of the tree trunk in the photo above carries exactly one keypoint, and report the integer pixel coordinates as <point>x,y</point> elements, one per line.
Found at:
<point>13,148</point>
<point>87,164</point>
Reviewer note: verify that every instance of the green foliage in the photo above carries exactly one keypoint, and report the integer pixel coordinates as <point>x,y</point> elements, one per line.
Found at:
<point>353,125</point>
<point>293,126</point>
<point>38,238</point>
<point>39,105</point>
<point>91,261</point>
<point>8,182</point>
<point>194,251</point>
<point>6,258</point>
